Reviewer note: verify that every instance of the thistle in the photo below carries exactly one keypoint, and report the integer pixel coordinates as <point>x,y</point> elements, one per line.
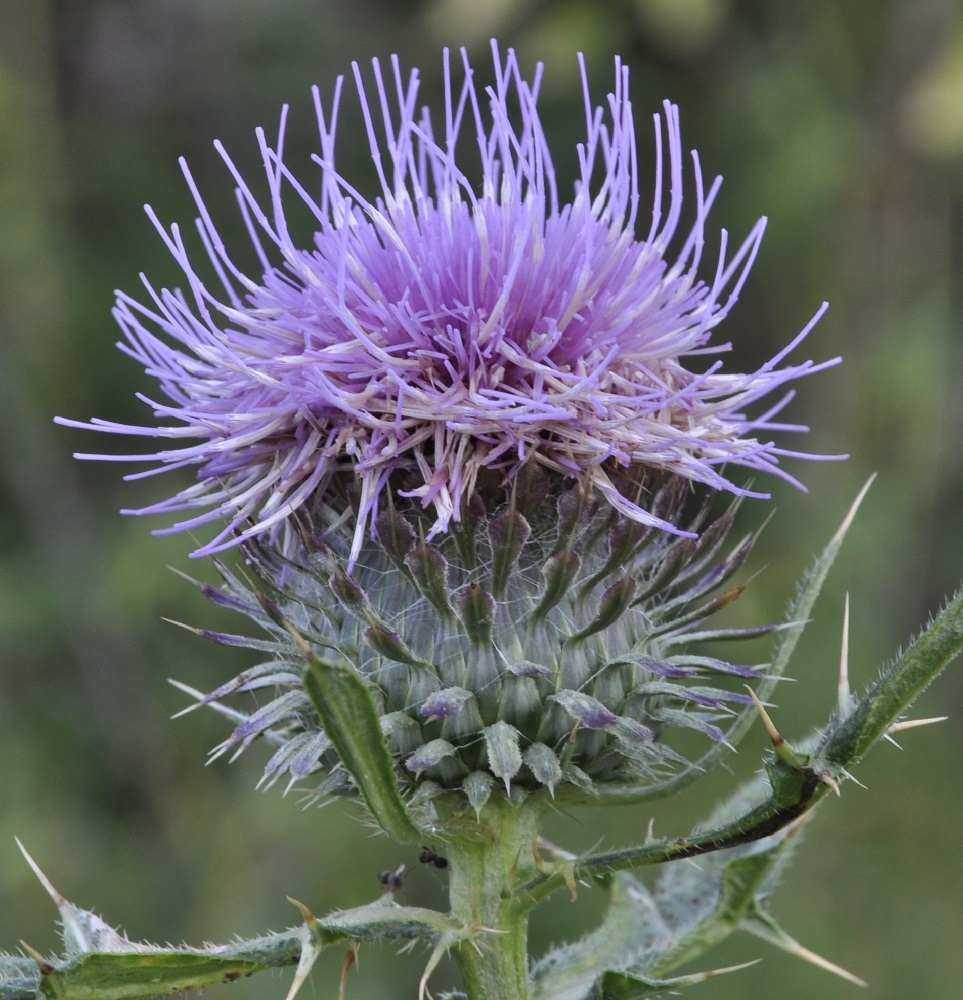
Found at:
<point>474,446</point>
<point>457,437</point>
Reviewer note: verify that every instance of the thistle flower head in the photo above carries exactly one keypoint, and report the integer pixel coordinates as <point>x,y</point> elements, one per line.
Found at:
<point>466,319</point>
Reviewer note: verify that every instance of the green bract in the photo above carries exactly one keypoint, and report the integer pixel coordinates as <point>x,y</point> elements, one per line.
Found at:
<point>546,642</point>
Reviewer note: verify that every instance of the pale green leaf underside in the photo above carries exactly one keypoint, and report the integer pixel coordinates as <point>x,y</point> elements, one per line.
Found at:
<point>640,940</point>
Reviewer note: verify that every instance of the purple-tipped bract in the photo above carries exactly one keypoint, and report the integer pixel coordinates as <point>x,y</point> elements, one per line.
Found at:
<point>448,326</point>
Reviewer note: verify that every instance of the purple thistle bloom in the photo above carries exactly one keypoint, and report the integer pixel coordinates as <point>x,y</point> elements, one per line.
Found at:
<point>443,328</point>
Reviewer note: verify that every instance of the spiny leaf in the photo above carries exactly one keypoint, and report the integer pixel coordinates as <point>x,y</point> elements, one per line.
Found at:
<point>646,935</point>
<point>100,963</point>
<point>138,976</point>
<point>631,924</point>
<point>616,961</point>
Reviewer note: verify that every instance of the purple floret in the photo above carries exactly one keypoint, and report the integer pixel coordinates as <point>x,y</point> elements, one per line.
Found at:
<point>446,327</point>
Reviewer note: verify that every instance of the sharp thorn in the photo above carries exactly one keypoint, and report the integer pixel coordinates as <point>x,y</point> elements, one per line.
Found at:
<point>731,968</point>
<point>536,853</point>
<point>309,955</point>
<point>828,779</point>
<point>559,852</point>
<point>184,625</point>
<point>42,964</point>
<point>349,960</point>
<point>777,740</point>
<point>897,727</point>
<point>309,917</point>
<point>848,519</point>
<point>433,961</point>
<point>800,951</point>
<point>844,697</point>
<point>851,778</point>
<point>198,697</point>
<point>775,935</point>
<point>59,900</point>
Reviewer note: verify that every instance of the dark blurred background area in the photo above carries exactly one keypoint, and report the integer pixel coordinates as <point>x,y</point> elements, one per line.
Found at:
<point>843,123</point>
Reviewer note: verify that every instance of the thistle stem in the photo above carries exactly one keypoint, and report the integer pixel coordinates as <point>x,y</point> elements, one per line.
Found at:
<point>484,872</point>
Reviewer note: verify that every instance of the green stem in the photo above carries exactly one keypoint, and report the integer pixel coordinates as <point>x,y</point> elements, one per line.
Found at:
<point>483,873</point>
<point>795,792</point>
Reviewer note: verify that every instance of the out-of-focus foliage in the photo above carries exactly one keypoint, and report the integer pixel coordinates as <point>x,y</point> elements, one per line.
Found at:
<point>841,122</point>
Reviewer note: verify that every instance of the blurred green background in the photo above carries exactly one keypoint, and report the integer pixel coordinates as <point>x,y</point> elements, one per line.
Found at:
<point>843,122</point>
